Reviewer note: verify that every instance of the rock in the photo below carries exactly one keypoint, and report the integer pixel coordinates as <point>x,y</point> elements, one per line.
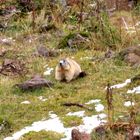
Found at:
<point>6,41</point>
<point>43,51</point>
<point>74,41</point>
<point>109,54</point>
<point>45,28</point>
<point>132,58</point>
<point>34,83</point>
<point>131,55</point>
<point>100,130</point>
<point>77,135</point>
<point>8,10</point>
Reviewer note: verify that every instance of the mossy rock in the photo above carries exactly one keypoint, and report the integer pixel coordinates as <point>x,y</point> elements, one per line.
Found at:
<point>75,41</point>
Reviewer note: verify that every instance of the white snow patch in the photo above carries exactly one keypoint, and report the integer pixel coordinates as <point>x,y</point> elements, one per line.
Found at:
<point>134,90</point>
<point>128,103</point>
<point>122,84</point>
<point>41,98</point>
<point>99,107</point>
<point>89,123</point>
<point>48,71</point>
<point>26,102</point>
<point>93,101</point>
<point>54,124</point>
<point>79,113</point>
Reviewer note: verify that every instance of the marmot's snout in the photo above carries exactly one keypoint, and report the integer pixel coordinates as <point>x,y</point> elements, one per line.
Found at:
<point>61,63</point>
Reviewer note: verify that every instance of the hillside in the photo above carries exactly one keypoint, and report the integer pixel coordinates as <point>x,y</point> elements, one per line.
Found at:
<point>105,41</point>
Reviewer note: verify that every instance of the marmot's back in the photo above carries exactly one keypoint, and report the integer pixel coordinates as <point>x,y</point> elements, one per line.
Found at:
<point>75,67</point>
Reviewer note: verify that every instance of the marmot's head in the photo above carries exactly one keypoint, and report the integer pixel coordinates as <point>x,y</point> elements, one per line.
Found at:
<point>64,64</point>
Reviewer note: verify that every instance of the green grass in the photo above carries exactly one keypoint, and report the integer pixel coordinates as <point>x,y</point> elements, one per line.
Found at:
<point>43,135</point>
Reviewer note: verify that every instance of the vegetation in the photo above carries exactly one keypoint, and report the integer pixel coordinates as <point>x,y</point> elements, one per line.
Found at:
<point>102,32</point>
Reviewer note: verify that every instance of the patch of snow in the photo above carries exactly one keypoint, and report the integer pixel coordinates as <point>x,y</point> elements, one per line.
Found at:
<point>122,84</point>
<point>54,124</point>
<point>134,90</point>
<point>128,103</point>
<point>25,102</point>
<point>42,98</point>
<point>79,113</point>
<point>48,71</point>
<point>93,101</point>
<point>89,123</point>
<point>99,107</point>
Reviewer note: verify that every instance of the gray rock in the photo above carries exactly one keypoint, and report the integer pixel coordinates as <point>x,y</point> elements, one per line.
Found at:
<point>131,55</point>
<point>35,82</point>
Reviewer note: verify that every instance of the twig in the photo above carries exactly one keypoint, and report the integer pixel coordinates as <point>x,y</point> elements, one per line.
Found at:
<point>109,98</point>
<point>77,104</point>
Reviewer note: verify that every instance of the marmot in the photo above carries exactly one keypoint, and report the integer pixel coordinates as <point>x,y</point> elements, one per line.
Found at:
<point>67,70</point>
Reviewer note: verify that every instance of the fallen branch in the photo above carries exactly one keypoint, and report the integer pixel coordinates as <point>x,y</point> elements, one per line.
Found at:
<point>79,105</point>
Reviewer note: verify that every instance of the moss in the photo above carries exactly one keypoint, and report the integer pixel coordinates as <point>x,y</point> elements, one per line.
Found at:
<point>70,121</point>
<point>64,42</point>
<point>42,135</point>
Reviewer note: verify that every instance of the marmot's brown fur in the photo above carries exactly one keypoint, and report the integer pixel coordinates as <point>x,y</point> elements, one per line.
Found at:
<point>68,69</point>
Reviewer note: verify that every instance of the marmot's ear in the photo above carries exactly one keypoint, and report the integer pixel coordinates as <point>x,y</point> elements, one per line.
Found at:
<point>82,74</point>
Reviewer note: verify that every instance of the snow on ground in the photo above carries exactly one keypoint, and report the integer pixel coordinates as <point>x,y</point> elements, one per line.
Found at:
<point>78,113</point>
<point>48,71</point>
<point>41,98</point>
<point>122,84</point>
<point>26,102</point>
<point>99,107</point>
<point>93,101</point>
<point>128,103</point>
<point>134,90</point>
<point>55,124</point>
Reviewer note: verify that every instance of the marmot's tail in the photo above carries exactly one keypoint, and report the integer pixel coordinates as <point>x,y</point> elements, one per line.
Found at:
<point>82,74</point>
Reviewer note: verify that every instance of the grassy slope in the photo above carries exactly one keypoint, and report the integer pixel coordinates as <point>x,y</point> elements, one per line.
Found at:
<point>80,90</point>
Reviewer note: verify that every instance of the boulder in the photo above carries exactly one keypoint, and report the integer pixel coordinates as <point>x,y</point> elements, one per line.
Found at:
<point>34,83</point>
<point>77,135</point>
<point>131,55</point>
